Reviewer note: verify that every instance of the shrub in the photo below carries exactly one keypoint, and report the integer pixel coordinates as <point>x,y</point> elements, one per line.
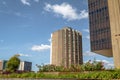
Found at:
<point>92,66</point>
<point>50,68</point>
<point>114,74</point>
<point>88,66</point>
<point>76,68</point>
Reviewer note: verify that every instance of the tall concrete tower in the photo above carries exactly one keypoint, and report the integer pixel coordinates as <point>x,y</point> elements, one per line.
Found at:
<point>66,47</point>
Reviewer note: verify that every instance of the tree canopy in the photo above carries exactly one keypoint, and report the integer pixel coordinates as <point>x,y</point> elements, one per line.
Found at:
<point>13,63</point>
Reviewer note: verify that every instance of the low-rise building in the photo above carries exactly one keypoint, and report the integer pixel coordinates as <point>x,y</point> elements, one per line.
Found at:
<point>2,64</point>
<point>25,66</point>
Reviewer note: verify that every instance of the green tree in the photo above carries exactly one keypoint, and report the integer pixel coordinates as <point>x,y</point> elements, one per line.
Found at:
<point>13,63</point>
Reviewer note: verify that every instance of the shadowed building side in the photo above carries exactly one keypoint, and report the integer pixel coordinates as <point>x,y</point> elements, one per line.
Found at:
<point>100,33</point>
<point>104,22</point>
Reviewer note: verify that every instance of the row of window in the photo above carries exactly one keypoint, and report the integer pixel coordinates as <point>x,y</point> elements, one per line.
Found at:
<point>101,41</point>
<point>101,44</point>
<point>98,10</point>
<point>99,31</point>
<point>99,15</point>
<point>99,20</point>
<point>97,3</point>
<point>100,47</point>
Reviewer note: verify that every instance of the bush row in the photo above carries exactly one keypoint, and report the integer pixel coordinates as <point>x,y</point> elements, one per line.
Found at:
<point>114,74</point>
<point>88,66</point>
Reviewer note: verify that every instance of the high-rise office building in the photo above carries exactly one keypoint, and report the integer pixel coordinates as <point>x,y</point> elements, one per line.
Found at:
<point>66,47</point>
<point>104,21</point>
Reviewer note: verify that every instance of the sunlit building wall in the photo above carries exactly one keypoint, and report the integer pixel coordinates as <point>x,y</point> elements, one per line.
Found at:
<point>66,47</point>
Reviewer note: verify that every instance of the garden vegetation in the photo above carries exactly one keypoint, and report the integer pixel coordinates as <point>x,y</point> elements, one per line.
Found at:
<point>89,70</point>
<point>13,63</point>
<point>110,74</point>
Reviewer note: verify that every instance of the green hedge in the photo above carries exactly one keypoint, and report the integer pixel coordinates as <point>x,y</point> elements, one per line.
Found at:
<point>88,66</point>
<point>111,74</point>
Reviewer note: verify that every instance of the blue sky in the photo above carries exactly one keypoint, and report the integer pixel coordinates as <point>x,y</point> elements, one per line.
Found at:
<point>26,27</point>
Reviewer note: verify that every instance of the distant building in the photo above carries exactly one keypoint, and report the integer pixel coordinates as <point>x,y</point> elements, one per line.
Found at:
<point>66,47</point>
<point>2,64</point>
<point>25,66</point>
<point>104,21</point>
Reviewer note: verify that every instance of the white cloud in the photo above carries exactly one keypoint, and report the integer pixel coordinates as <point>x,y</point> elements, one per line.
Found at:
<point>41,47</point>
<point>1,41</point>
<point>104,61</point>
<point>50,39</point>
<point>111,65</point>
<point>88,36</point>
<point>86,30</point>
<point>107,63</point>
<point>10,12</point>
<point>66,11</point>
<point>17,13</point>
<point>36,0</point>
<point>26,2</point>
<point>88,53</point>
<point>25,55</point>
<point>4,3</point>
<point>85,2</point>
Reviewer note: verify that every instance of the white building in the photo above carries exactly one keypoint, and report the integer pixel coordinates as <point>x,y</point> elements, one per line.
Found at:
<point>25,66</point>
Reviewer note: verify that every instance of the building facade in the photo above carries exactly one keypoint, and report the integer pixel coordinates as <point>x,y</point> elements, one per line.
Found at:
<point>66,47</point>
<point>25,66</point>
<point>104,22</point>
<point>3,64</point>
